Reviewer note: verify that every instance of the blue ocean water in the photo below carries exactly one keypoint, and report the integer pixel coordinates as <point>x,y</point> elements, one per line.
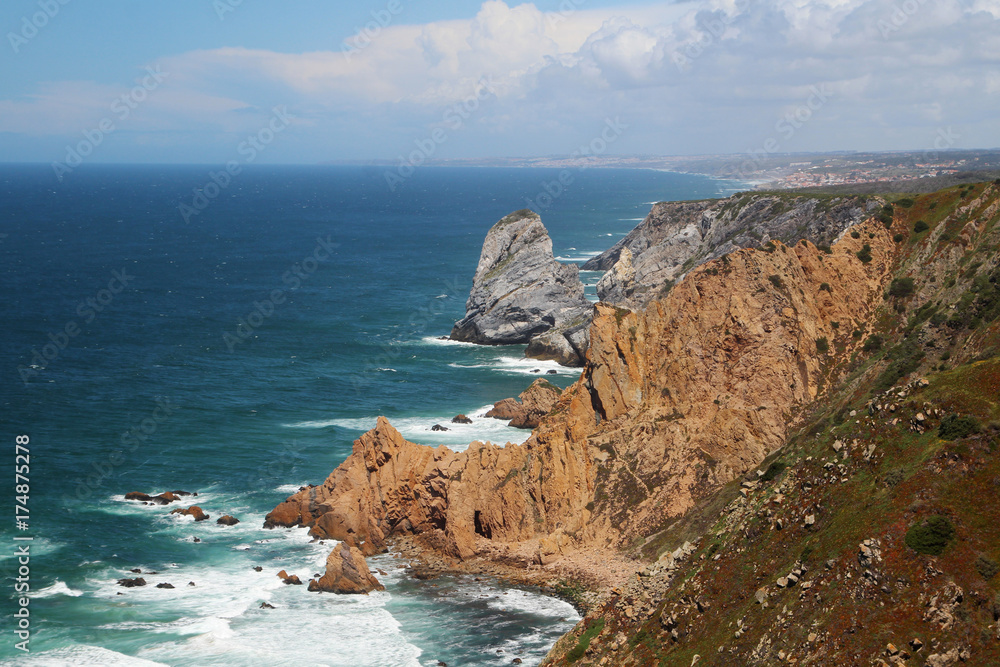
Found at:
<point>238,354</point>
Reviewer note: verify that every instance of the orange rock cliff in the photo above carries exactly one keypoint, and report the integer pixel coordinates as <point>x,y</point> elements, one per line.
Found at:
<point>673,402</point>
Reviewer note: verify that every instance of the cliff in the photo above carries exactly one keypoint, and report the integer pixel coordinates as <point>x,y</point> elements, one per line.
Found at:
<point>673,402</point>
<point>677,236</point>
<point>864,538</point>
<point>519,289</point>
<point>793,442</point>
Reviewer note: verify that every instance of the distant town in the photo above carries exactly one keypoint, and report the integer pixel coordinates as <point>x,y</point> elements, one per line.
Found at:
<point>778,171</point>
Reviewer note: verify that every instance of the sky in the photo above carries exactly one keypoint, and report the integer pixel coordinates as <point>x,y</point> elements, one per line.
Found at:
<point>210,81</point>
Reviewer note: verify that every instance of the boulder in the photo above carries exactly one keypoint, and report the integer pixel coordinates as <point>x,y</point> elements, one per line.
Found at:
<point>193,511</point>
<point>519,289</point>
<point>531,405</point>
<point>227,520</point>
<point>291,579</point>
<point>346,572</point>
<point>132,583</point>
<point>138,495</point>
<point>164,585</point>
<point>460,419</point>
<point>438,427</point>
<point>165,498</point>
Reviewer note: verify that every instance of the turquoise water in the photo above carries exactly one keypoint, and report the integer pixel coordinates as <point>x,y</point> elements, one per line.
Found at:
<point>239,355</point>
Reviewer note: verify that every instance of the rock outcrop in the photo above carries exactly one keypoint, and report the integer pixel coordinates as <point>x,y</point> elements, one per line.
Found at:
<point>346,573</point>
<point>193,511</point>
<point>677,236</point>
<point>674,402</point>
<point>520,290</point>
<point>529,407</point>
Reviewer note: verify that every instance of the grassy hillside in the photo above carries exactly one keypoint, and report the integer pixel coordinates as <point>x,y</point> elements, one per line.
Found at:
<point>871,536</point>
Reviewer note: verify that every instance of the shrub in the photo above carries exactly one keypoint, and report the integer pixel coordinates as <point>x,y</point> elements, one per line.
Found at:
<point>865,254</point>
<point>822,345</point>
<point>931,536</point>
<point>593,629</point>
<point>873,344</point>
<point>987,567</point>
<point>835,324</point>
<point>825,287</point>
<point>920,226</point>
<point>898,238</point>
<point>855,234</point>
<point>773,470</point>
<point>906,202</point>
<point>825,248</point>
<point>776,280</point>
<point>901,287</point>
<point>954,427</point>
<point>895,477</point>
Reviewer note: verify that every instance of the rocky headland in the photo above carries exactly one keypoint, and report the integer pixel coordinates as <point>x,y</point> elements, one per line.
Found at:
<point>754,460</point>
<point>519,289</point>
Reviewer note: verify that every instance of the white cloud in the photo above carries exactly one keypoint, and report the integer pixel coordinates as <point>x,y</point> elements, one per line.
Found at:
<point>690,77</point>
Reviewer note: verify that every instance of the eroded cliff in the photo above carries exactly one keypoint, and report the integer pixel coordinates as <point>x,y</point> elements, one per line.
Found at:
<point>673,402</point>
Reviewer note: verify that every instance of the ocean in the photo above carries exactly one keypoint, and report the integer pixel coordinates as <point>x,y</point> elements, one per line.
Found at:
<point>237,351</point>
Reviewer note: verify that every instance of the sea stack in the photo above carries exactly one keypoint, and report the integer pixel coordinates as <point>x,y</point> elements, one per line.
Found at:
<point>520,290</point>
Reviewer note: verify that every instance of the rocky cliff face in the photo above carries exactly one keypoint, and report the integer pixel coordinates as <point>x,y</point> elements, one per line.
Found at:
<point>672,403</point>
<point>677,236</point>
<point>527,410</point>
<point>520,290</point>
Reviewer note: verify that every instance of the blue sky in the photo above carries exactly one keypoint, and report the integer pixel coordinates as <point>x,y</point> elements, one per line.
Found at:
<point>189,80</point>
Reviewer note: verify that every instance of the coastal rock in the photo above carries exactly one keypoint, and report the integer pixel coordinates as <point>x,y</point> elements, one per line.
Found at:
<point>193,511</point>
<point>670,406</point>
<point>165,498</point>
<point>675,237</point>
<point>291,579</point>
<point>438,427</point>
<point>132,583</point>
<point>565,345</point>
<point>531,405</point>
<point>346,573</point>
<point>227,520</point>
<point>460,419</point>
<point>138,495</point>
<point>519,289</point>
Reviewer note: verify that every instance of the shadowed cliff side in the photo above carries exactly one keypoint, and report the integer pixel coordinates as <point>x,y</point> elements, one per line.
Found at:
<point>673,402</point>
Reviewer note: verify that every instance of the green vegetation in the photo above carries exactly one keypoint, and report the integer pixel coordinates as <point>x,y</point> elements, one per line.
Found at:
<point>865,254</point>
<point>855,234</point>
<point>920,226</point>
<point>930,537</point>
<point>825,287</point>
<point>776,281</point>
<point>773,470</point>
<point>954,427</point>
<point>987,567</point>
<point>898,238</point>
<point>822,345</point>
<point>872,344</point>
<point>904,358</point>
<point>593,629</point>
<point>901,287</point>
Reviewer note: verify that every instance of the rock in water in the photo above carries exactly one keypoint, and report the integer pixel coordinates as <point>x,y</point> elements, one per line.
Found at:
<point>194,510</point>
<point>227,520</point>
<point>535,402</point>
<point>346,572</point>
<point>520,290</point>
